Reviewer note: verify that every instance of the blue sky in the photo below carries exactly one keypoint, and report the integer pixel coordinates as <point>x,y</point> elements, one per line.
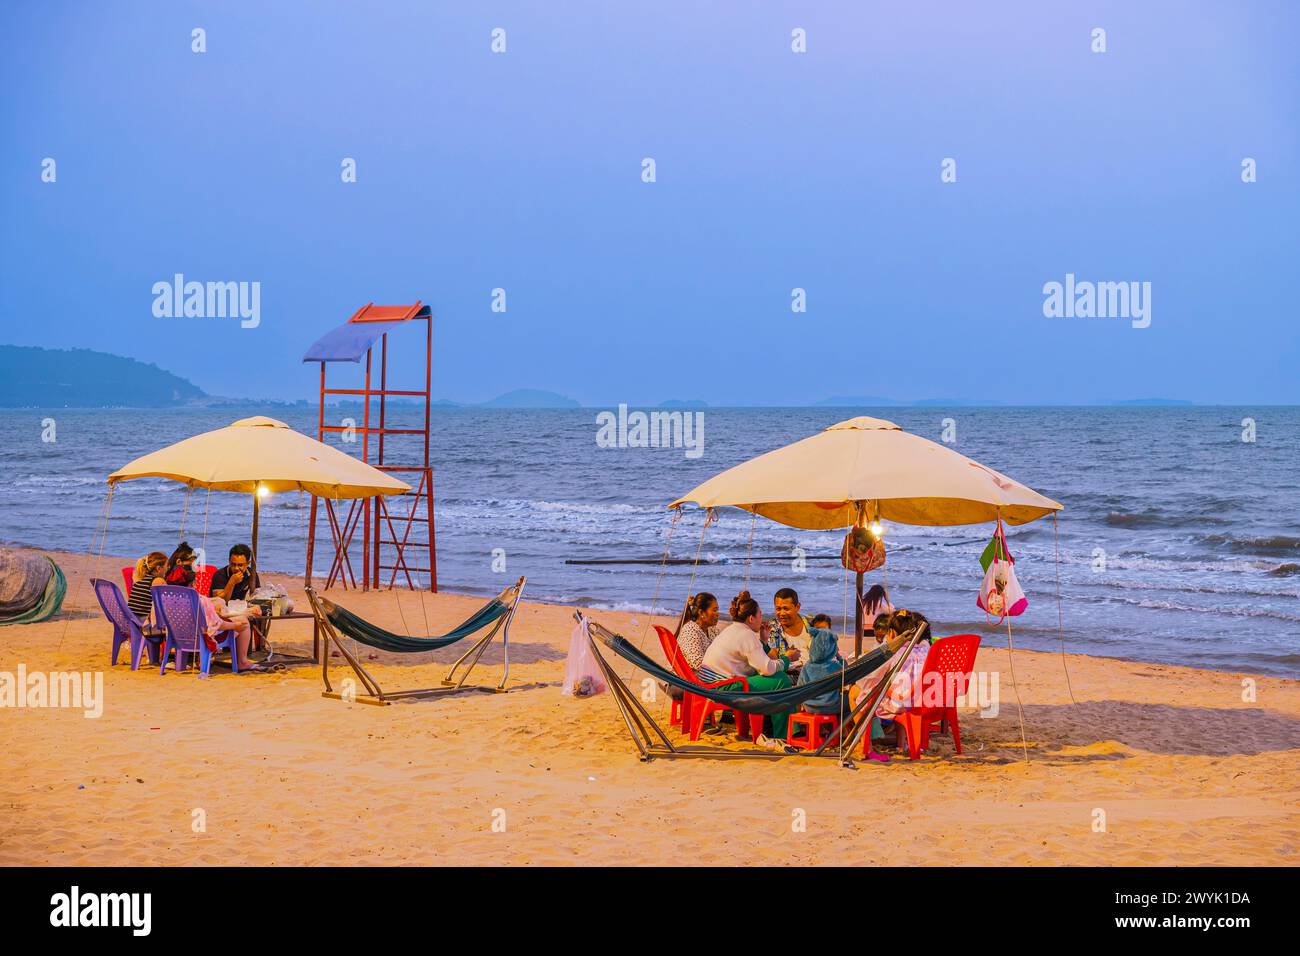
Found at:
<point>775,170</point>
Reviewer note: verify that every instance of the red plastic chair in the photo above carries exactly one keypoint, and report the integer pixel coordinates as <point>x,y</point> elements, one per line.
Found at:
<point>128,575</point>
<point>813,725</point>
<point>693,710</point>
<point>947,672</point>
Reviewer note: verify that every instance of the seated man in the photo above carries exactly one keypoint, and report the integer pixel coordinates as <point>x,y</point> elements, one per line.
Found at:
<point>237,579</point>
<point>235,582</point>
<point>790,629</point>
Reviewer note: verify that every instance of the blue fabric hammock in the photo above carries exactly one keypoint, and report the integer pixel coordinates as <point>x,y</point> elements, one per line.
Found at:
<point>767,702</point>
<point>359,629</point>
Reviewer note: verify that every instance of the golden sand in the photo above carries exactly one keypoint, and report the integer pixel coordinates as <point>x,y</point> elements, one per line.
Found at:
<point>1180,768</point>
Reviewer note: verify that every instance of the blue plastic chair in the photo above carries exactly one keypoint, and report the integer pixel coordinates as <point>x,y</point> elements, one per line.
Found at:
<point>180,612</point>
<point>127,628</point>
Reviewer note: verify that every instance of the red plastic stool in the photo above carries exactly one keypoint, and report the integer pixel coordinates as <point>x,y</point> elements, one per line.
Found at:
<point>814,725</point>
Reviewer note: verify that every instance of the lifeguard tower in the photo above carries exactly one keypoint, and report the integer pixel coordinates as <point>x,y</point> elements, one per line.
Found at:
<point>392,541</point>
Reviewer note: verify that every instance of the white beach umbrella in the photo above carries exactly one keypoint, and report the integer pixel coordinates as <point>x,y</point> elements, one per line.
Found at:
<point>871,467</point>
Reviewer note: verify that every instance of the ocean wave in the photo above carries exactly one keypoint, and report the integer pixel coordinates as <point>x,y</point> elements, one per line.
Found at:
<point>1215,609</point>
<point>588,509</point>
<point>1139,561</point>
<point>1271,544</point>
<point>1109,581</point>
<point>1285,570</point>
<point>1156,519</point>
<point>57,481</point>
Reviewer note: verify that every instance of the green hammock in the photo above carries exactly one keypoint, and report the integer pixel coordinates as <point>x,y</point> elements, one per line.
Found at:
<point>359,629</point>
<point>751,702</point>
<point>338,622</point>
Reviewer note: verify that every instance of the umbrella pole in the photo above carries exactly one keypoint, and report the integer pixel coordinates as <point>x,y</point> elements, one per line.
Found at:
<point>257,510</point>
<point>857,619</point>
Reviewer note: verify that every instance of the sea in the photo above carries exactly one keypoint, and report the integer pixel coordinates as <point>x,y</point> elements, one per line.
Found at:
<point>1179,542</point>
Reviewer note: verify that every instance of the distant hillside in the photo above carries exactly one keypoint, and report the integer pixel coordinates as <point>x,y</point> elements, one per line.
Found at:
<point>530,398</point>
<point>36,377</point>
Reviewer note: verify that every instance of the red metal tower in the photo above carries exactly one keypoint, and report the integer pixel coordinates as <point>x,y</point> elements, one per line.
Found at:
<point>385,533</point>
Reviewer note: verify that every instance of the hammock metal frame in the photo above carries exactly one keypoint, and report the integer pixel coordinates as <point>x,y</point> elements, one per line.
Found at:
<point>644,730</point>
<point>374,694</point>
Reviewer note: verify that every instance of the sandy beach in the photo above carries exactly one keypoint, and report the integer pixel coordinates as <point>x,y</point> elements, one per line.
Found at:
<point>1184,770</point>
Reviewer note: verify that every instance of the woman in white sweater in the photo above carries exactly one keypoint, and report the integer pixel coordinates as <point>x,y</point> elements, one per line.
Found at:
<point>738,652</point>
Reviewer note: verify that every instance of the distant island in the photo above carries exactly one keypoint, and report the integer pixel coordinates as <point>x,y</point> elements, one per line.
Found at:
<point>82,378</point>
<point>33,377</point>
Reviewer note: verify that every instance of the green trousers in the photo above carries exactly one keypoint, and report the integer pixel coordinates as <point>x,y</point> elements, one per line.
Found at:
<point>777,681</point>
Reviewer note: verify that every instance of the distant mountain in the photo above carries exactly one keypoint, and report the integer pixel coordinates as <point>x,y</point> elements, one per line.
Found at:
<point>530,398</point>
<point>683,403</point>
<point>81,378</point>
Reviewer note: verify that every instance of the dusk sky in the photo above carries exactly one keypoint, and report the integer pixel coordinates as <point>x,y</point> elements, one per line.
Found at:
<point>775,170</point>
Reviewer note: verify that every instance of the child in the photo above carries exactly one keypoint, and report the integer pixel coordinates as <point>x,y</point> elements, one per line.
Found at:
<point>821,620</point>
<point>823,660</point>
<point>907,681</point>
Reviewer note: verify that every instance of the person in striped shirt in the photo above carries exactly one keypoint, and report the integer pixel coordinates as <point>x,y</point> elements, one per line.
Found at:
<point>148,572</point>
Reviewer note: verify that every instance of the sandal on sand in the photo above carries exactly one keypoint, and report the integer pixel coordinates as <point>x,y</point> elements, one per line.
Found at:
<point>254,669</point>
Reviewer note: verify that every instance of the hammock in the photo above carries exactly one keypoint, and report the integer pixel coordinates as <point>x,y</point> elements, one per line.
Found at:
<point>359,629</point>
<point>333,621</point>
<point>751,702</point>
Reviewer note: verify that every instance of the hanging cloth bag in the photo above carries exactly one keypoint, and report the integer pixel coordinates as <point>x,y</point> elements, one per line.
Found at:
<point>861,551</point>
<point>1001,595</point>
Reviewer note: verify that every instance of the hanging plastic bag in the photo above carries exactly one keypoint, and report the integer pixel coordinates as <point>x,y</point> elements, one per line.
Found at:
<point>862,552</point>
<point>1001,595</point>
<point>582,675</point>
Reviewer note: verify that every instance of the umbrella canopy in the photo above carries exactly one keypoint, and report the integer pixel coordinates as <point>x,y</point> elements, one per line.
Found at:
<point>263,453</point>
<point>819,482</point>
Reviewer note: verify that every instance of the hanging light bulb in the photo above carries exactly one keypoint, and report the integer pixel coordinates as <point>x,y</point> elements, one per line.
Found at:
<point>263,491</point>
<point>877,530</point>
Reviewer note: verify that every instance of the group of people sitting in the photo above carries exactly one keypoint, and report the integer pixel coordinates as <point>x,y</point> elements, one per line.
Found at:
<point>792,650</point>
<point>234,582</point>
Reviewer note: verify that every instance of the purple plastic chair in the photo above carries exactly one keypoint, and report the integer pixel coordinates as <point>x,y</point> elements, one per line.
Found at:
<point>179,611</point>
<point>126,626</point>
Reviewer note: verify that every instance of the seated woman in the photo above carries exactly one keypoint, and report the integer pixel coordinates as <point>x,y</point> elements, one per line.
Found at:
<point>738,652</point>
<point>700,629</point>
<point>180,566</point>
<point>148,572</point>
<point>180,571</point>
